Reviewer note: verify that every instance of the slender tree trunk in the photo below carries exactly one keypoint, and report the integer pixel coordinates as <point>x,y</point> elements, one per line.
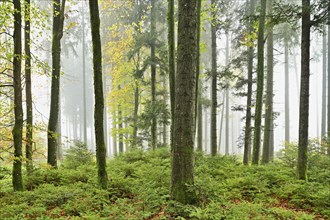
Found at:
<point>214,82</point>
<point>171,63</point>
<point>28,90</point>
<point>328,116</point>
<point>165,98</point>
<point>135,114</point>
<point>120,130</point>
<point>260,86</point>
<point>18,109</point>
<point>198,106</point>
<point>114,133</point>
<point>58,20</point>
<point>227,97</point>
<point>84,72</point>
<point>184,126</point>
<point>153,74</point>
<point>287,91</point>
<point>268,132</point>
<point>304,91</point>
<point>247,132</point>
<point>221,122</point>
<point>99,97</point>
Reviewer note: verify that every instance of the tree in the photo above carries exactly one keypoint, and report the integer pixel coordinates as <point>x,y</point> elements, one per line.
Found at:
<point>183,140</point>
<point>287,91</point>
<point>58,20</point>
<point>214,80</point>
<point>198,107</point>
<point>324,82</point>
<point>98,92</point>
<point>29,111</point>
<point>153,72</point>
<point>304,91</point>
<point>260,85</point>
<point>250,54</point>
<point>268,130</point>
<point>171,60</point>
<point>18,109</point>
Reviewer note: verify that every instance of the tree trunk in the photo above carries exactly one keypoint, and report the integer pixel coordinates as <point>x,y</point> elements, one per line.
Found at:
<point>114,135</point>
<point>268,130</point>
<point>260,86</point>
<point>304,91</point>
<point>227,97</point>
<point>198,106</point>
<point>135,114</point>
<point>287,91</point>
<point>153,74</point>
<point>84,73</point>
<point>120,130</point>
<point>171,62</point>
<point>328,116</point>
<point>28,90</point>
<point>214,82</point>
<point>18,109</point>
<point>247,132</point>
<point>98,92</point>
<point>58,20</point>
<point>221,122</point>
<point>183,142</point>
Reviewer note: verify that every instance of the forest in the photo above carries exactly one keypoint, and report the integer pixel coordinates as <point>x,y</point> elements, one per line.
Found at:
<point>164,109</point>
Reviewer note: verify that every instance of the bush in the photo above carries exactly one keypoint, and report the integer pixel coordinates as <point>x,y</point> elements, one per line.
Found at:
<point>78,155</point>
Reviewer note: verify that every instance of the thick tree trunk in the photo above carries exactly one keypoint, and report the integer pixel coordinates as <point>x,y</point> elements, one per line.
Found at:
<point>287,91</point>
<point>153,74</point>
<point>171,62</point>
<point>304,91</point>
<point>214,82</point>
<point>58,19</point>
<point>260,86</point>
<point>247,132</point>
<point>28,90</point>
<point>98,92</point>
<point>198,107</point>
<point>18,109</point>
<point>268,130</point>
<point>184,126</point>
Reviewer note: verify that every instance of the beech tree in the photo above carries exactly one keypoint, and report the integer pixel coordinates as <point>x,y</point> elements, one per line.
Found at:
<point>260,85</point>
<point>58,21</point>
<point>98,93</point>
<point>18,109</point>
<point>183,138</point>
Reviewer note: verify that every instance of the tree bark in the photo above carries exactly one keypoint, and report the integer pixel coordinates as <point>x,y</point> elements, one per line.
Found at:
<point>260,86</point>
<point>304,91</point>
<point>58,20</point>
<point>247,132</point>
<point>18,109</point>
<point>98,92</point>
<point>28,90</point>
<point>227,97</point>
<point>183,143</point>
<point>135,113</point>
<point>171,62</point>
<point>328,116</point>
<point>268,130</point>
<point>84,73</point>
<point>324,84</point>
<point>214,81</point>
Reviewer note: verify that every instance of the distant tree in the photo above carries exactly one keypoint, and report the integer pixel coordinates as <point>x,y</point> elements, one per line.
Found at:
<point>58,20</point>
<point>260,85</point>
<point>213,118</point>
<point>267,153</point>
<point>304,90</point>
<point>28,92</point>
<point>183,140</point>
<point>18,109</point>
<point>98,92</point>
<point>324,81</point>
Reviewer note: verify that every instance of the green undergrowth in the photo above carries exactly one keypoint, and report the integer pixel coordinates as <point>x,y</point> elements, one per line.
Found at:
<point>139,185</point>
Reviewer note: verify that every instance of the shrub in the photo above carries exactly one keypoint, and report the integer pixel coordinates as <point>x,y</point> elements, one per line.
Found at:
<point>78,155</point>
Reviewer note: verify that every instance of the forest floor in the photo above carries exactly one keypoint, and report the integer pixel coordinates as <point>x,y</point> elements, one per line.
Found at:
<point>139,185</point>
